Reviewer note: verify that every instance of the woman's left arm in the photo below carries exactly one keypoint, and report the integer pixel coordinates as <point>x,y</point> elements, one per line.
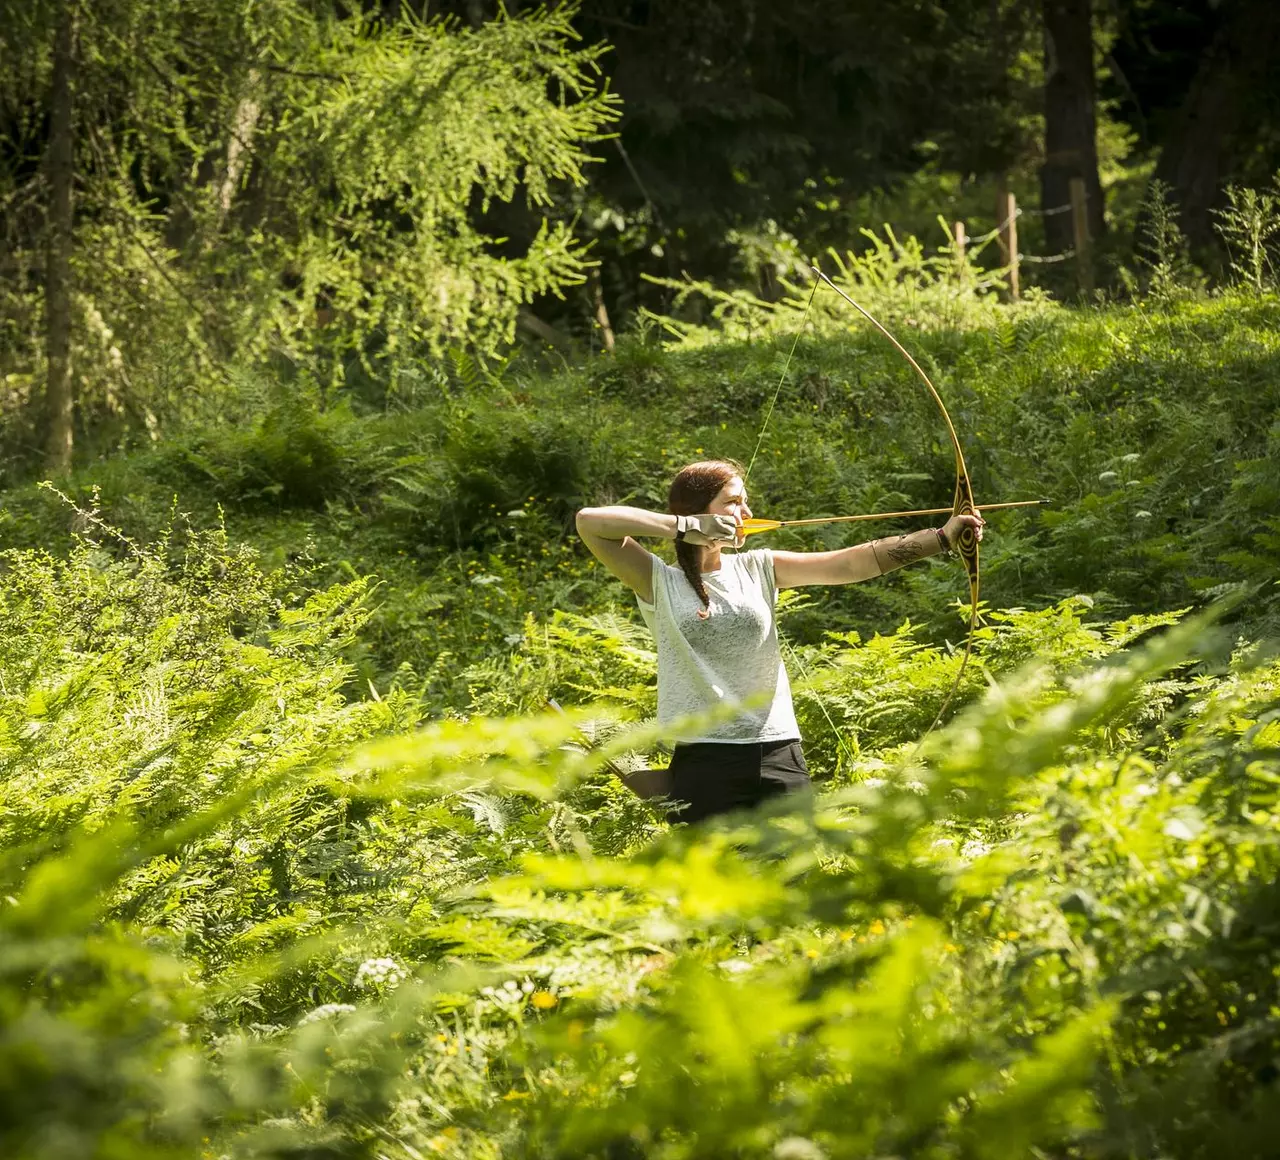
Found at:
<point>866,561</point>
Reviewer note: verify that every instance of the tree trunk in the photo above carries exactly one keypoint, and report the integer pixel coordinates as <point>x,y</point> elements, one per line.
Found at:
<point>59,395</point>
<point>243,127</point>
<point>1209,134</point>
<point>1070,124</point>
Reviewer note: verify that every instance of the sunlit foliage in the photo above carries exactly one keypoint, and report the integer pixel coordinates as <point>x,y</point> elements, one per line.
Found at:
<point>244,909</point>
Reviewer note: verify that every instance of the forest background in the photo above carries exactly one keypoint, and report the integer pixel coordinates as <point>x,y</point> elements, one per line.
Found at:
<point>317,324</point>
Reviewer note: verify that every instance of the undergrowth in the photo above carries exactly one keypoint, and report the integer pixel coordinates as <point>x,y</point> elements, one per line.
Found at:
<point>1150,431</point>
<point>246,915</point>
<point>297,859</point>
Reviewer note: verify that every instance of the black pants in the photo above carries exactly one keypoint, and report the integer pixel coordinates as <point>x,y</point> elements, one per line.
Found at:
<point>712,777</point>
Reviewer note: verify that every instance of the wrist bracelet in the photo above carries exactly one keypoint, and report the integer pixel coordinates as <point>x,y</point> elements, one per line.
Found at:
<point>942,539</point>
<point>682,526</point>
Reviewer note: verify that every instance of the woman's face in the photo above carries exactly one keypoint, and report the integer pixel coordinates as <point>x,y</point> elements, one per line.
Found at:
<point>731,500</point>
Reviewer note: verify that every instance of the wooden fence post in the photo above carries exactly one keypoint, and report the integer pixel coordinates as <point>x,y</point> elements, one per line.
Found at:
<point>1080,233</point>
<point>960,241</point>
<point>1007,219</point>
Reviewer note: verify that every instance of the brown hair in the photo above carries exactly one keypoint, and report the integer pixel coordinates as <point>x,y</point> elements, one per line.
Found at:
<point>690,494</point>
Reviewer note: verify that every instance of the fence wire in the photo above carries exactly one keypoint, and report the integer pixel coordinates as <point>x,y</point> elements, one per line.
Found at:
<point>982,239</point>
<point>1050,212</point>
<point>1047,257</point>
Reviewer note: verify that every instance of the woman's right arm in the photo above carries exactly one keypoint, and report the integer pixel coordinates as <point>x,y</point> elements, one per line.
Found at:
<point>608,532</point>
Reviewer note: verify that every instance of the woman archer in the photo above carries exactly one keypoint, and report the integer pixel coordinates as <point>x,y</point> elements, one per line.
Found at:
<point>717,639</point>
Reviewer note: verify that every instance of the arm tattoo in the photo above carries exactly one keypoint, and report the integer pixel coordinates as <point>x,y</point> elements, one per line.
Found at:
<point>904,550</point>
<point>891,553</point>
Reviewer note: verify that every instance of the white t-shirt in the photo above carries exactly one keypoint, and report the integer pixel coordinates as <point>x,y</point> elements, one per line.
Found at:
<point>726,658</point>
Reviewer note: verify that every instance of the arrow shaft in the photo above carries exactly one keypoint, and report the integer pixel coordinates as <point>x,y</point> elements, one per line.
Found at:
<point>771,525</point>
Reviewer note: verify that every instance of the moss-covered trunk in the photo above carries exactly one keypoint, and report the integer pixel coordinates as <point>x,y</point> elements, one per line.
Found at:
<point>59,397</point>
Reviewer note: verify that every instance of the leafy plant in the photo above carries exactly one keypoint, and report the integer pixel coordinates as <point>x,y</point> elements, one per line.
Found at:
<point>1162,247</point>
<point>1247,224</point>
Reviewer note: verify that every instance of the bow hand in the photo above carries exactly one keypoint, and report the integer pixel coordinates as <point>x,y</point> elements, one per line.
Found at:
<point>959,527</point>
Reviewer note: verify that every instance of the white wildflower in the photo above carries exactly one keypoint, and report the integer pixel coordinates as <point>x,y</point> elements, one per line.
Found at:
<point>380,973</point>
<point>797,1148</point>
<point>325,1012</point>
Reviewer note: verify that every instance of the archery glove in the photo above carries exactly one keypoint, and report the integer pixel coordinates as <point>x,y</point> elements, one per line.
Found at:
<point>704,529</point>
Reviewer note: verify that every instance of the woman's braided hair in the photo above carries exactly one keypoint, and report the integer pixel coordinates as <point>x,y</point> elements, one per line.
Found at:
<point>690,494</point>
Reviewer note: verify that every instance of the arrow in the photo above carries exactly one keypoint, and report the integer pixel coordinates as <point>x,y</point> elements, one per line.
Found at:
<point>753,526</point>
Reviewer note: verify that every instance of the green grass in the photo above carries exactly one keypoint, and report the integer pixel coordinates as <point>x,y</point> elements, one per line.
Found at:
<point>1151,433</point>
<point>293,861</point>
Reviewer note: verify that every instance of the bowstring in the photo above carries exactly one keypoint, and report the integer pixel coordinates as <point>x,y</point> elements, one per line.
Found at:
<point>782,378</point>
<point>791,650</point>
<point>794,654</point>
